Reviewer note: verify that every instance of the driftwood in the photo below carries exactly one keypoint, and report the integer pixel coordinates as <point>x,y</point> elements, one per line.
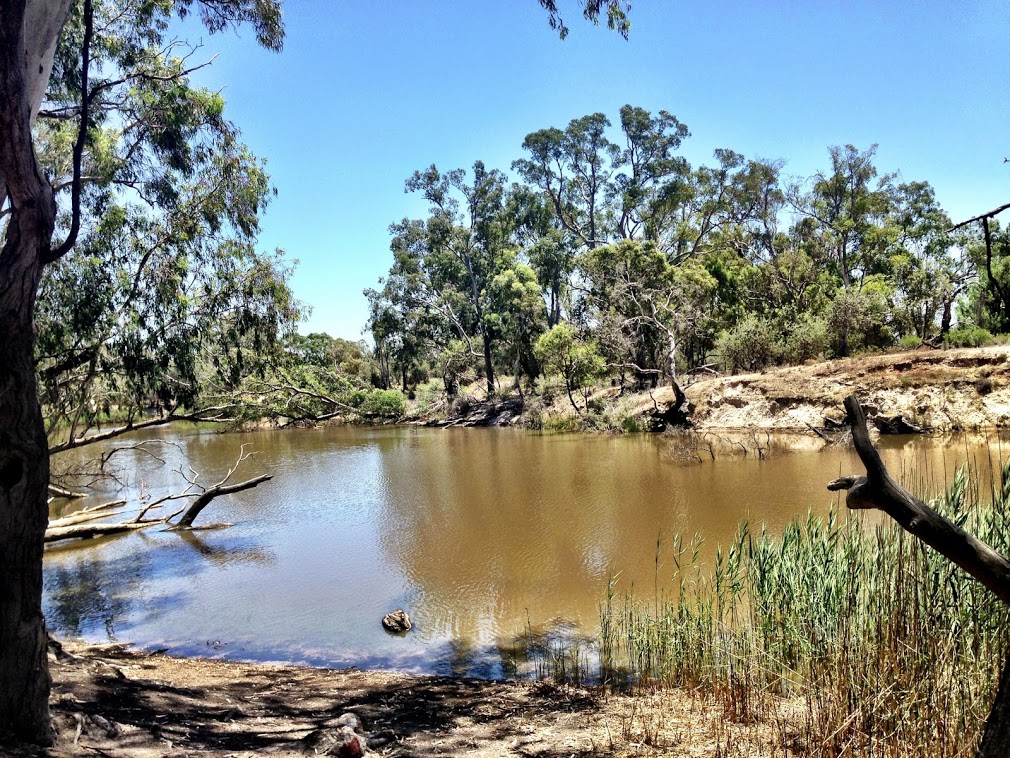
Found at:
<point>66,494</point>
<point>216,491</point>
<point>80,525</point>
<point>878,490</point>
<point>88,514</point>
<point>87,531</point>
<point>895,425</point>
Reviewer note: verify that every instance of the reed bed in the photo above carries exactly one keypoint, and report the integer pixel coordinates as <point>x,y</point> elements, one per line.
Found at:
<point>853,638</point>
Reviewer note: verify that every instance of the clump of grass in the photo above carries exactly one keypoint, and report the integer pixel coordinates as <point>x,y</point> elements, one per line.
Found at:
<point>882,646</point>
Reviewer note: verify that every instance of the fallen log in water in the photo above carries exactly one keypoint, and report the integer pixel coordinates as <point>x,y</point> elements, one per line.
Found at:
<point>87,531</point>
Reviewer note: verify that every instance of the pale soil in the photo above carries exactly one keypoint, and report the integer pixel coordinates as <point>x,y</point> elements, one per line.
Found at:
<point>966,388</point>
<point>114,702</point>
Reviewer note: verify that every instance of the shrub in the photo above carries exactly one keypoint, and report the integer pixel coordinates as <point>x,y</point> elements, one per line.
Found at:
<point>909,342</point>
<point>808,339</point>
<point>968,336</point>
<point>384,403</point>
<point>748,346</point>
<point>631,425</point>
<point>858,319</point>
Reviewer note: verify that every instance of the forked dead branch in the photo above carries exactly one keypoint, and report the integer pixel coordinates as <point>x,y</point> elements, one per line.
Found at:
<point>880,491</point>
<point>81,525</point>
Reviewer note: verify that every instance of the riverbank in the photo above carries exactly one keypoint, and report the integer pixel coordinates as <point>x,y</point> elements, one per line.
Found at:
<point>949,390</point>
<point>121,703</point>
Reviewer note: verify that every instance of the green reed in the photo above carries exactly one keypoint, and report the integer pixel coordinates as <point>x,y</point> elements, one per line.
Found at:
<point>856,639</point>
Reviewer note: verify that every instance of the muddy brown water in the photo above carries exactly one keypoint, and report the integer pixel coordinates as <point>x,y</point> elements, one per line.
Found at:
<point>482,535</point>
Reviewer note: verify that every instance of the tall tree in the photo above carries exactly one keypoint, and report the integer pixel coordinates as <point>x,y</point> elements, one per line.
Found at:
<point>30,31</point>
<point>849,205</point>
<point>462,246</point>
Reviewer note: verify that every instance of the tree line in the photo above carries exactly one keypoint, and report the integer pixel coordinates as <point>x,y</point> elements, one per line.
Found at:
<point>610,254</point>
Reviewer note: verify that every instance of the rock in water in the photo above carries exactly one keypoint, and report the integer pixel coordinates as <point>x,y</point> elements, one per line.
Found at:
<point>397,622</point>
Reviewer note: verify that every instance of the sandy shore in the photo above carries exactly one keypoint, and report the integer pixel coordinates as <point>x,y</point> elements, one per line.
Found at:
<point>115,702</point>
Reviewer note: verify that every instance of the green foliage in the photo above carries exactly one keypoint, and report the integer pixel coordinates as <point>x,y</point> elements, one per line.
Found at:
<point>808,339</point>
<point>910,342</point>
<point>384,404</point>
<point>968,336</point>
<point>563,351</point>
<point>748,346</point>
<point>658,262</point>
<point>858,318</point>
<point>165,299</point>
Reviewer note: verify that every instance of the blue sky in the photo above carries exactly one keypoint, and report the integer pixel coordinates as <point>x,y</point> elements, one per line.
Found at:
<point>364,93</point>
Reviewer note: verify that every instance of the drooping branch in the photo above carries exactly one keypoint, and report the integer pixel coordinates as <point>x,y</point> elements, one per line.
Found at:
<point>205,414</point>
<point>878,490</point>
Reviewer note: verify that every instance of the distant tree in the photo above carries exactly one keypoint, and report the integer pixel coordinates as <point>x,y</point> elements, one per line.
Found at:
<point>577,360</point>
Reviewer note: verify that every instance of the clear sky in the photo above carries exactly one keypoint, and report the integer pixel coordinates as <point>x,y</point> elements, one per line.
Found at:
<point>364,93</point>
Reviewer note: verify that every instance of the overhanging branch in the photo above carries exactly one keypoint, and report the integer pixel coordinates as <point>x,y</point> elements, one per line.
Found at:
<point>878,490</point>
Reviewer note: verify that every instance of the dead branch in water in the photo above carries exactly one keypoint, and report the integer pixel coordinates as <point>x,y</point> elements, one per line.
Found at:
<point>80,525</point>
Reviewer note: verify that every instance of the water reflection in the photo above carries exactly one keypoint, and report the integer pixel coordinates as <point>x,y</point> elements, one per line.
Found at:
<point>493,540</point>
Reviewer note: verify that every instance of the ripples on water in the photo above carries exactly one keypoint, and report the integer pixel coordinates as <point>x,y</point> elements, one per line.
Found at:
<point>483,536</point>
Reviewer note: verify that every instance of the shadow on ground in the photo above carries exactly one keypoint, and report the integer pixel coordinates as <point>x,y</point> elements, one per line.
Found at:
<point>116,702</point>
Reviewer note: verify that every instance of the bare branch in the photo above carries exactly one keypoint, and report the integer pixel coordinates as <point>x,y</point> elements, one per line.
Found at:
<point>878,490</point>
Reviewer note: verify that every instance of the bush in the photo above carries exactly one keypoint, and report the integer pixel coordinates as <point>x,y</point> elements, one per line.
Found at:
<point>631,425</point>
<point>858,319</point>
<point>808,340</point>
<point>910,342</point>
<point>384,403</point>
<point>748,346</point>
<point>968,336</point>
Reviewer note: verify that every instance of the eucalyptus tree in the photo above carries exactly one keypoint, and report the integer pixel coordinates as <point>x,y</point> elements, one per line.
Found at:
<point>929,263</point>
<point>653,302</point>
<point>848,206</point>
<point>563,350</point>
<point>598,190</point>
<point>35,204</point>
<point>448,261</point>
<point>517,320</point>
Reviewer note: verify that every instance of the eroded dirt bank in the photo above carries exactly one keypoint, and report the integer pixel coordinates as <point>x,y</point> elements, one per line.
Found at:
<point>943,389</point>
<point>114,702</point>
<point>958,389</point>
<point>967,388</point>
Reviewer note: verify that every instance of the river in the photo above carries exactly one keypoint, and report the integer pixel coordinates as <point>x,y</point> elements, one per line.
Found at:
<point>482,535</point>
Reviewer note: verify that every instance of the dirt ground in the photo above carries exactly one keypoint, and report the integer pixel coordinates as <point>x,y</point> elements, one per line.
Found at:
<point>967,388</point>
<point>119,703</point>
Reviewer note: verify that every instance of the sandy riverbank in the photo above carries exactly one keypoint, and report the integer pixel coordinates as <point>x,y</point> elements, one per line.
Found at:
<point>115,702</point>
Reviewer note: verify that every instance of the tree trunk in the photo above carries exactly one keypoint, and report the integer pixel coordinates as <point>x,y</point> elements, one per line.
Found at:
<point>24,453</point>
<point>488,367</point>
<point>945,319</point>
<point>24,476</point>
